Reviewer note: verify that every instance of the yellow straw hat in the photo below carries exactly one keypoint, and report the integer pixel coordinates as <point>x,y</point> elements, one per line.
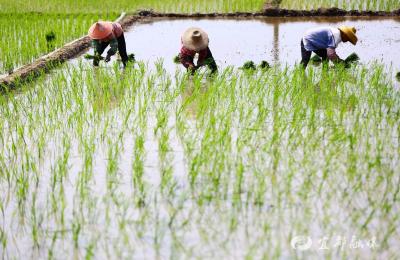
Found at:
<point>195,39</point>
<point>100,30</point>
<point>350,32</point>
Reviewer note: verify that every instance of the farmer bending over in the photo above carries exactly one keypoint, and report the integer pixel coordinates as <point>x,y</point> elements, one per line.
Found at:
<point>108,33</point>
<point>195,40</point>
<point>324,40</point>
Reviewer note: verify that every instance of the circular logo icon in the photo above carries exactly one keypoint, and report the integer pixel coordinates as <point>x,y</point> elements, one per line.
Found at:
<point>301,243</point>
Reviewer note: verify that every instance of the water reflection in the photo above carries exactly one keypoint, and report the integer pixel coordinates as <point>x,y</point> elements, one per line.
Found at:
<point>103,93</point>
<point>276,42</point>
<point>235,41</point>
<point>192,95</point>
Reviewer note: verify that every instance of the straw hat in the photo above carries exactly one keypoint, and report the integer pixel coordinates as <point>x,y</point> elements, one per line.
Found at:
<point>100,30</point>
<point>350,32</point>
<point>195,39</point>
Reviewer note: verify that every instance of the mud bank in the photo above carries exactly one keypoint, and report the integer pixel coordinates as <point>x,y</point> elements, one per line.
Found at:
<point>71,50</point>
<point>270,11</point>
<point>47,62</point>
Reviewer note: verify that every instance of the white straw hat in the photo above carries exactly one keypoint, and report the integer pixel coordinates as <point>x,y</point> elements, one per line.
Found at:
<point>195,39</point>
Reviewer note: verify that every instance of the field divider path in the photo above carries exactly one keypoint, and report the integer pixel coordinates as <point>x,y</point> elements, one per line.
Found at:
<point>48,61</point>
<point>75,48</point>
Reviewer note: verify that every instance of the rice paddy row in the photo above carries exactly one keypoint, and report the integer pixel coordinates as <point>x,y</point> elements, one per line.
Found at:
<point>140,163</point>
<point>182,6</point>
<point>26,37</point>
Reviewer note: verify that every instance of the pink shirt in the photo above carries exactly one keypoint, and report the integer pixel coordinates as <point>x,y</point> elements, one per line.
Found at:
<point>116,32</point>
<point>186,56</point>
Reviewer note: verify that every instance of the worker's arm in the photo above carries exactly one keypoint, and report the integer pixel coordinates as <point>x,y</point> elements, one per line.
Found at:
<point>187,60</point>
<point>331,52</point>
<point>113,47</point>
<point>206,58</point>
<point>96,46</point>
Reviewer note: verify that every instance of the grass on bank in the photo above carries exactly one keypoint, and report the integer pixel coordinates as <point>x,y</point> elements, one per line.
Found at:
<point>26,37</point>
<point>183,6</point>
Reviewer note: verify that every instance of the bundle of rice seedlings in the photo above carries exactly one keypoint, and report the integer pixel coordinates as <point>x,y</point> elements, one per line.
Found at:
<point>352,58</point>
<point>316,59</point>
<point>93,57</point>
<point>249,65</point>
<point>177,60</point>
<point>131,57</point>
<point>264,65</point>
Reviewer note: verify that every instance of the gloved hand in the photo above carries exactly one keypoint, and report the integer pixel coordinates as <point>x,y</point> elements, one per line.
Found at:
<point>108,58</point>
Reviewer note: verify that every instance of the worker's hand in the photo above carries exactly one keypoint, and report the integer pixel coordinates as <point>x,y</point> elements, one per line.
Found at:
<point>107,59</point>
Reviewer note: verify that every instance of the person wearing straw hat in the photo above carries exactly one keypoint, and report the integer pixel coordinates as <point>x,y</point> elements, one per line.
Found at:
<point>324,41</point>
<point>105,33</point>
<point>195,41</point>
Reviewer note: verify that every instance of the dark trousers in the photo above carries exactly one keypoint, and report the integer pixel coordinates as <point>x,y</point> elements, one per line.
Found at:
<point>212,65</point>
<point>306,55</point>
<point>121,50</point>
<point>209,61</point>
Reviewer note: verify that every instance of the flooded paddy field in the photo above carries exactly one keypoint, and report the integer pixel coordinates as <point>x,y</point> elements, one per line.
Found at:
<point>276,40</point>
<point>150,162</point>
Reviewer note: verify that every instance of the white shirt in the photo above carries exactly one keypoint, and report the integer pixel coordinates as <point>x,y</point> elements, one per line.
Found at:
<point>336,35</point>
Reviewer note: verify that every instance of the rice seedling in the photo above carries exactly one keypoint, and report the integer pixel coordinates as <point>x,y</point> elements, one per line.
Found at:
<point>91,162</point>
<point>90,6</point>
<point>343,4</point>
<point>250,65</point>
<point>25,37</point>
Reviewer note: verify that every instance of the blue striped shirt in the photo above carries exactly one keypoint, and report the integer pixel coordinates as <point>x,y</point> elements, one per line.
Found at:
<point>319,38</point>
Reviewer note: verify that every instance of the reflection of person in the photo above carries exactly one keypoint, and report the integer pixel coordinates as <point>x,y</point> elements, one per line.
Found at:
<point>192,97</point>
<point>195,40</point>
<point>108,33</point>
<point>324,40</point>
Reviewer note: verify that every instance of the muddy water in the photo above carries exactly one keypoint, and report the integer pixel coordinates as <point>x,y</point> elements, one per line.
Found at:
<point>276,40</point>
